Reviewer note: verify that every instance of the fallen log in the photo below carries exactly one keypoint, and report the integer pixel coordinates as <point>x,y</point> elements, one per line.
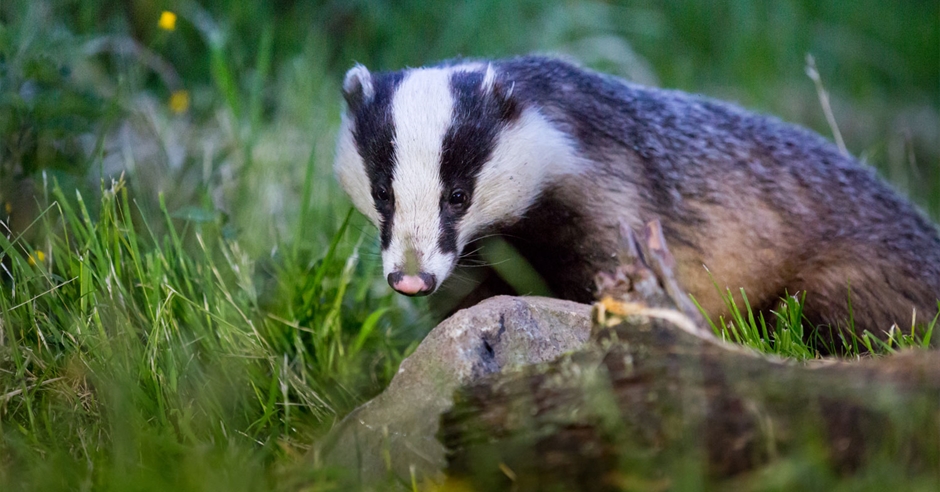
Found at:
<point>655,402</point>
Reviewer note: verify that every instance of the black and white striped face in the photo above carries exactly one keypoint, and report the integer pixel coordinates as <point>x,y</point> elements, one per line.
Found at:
<point>434,156</point>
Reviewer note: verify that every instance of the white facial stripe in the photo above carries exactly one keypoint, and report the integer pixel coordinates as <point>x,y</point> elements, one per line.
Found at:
<point>351,172</point>
<point>528,155</point>
<point>422,109</point>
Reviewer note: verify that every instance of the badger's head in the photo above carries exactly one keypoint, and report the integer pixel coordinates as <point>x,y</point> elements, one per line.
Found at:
<point>435,156</point>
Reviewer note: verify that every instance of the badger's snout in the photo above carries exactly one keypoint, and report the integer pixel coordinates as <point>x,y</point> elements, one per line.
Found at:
<point>421,284</point>
<point>416,271</point>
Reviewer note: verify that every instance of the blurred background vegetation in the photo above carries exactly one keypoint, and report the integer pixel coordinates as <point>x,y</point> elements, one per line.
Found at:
<point>198,322</point>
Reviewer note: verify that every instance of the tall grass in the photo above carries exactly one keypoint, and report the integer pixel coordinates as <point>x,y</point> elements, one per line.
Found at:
<point>135,361</point>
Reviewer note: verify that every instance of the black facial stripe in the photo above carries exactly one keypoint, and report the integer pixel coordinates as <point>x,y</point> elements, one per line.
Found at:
<point>374,134</point>
<point>467,146</point>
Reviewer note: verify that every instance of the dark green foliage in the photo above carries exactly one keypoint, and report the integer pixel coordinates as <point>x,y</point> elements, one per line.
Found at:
<point>46,112</point>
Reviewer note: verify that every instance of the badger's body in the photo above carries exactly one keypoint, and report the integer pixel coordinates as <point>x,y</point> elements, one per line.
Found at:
<point>551,156</point>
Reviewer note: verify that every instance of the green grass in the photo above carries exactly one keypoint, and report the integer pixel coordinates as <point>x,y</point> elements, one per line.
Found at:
<point>785,332</point>
<point>186,302</point>
<point>157,361</point>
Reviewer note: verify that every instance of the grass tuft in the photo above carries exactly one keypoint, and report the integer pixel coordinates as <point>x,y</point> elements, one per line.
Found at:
<point>792,336</point>
<point>783,335</point>
<point>151,352</point>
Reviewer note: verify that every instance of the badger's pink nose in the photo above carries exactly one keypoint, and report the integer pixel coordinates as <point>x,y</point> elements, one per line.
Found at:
<point>421,284</point>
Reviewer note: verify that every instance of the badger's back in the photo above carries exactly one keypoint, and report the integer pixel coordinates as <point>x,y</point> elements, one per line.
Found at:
<point>690,149</point>
<point>763,204</point>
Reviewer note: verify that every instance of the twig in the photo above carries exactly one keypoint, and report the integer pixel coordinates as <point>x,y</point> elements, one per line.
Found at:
<point>824,101</point>
<point>7,396</point>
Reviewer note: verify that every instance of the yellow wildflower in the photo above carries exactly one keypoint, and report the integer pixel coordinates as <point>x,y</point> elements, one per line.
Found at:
<point>167,21</point>
<point>39,257</point>
<point>179,101</point>
<point>8,207</point>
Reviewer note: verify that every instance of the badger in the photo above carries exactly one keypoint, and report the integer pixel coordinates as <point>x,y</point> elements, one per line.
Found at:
<point>552,157</point>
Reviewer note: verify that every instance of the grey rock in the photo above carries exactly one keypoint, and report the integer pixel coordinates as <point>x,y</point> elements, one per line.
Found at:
<point>394,434</point>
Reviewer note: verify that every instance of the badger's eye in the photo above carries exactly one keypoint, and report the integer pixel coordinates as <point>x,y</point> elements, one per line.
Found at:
<point>458,198</point>
<point>381,194</point>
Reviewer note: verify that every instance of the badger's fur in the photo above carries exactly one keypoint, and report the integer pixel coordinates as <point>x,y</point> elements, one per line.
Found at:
<point>551,156</point>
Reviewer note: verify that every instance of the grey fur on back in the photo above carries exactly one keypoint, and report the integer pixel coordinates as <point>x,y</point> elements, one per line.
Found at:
<point>733,187</point>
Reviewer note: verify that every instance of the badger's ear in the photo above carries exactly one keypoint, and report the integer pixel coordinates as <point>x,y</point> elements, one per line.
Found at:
<point>497,85</point>
<point>357,87</point>
<point>509,106</point>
